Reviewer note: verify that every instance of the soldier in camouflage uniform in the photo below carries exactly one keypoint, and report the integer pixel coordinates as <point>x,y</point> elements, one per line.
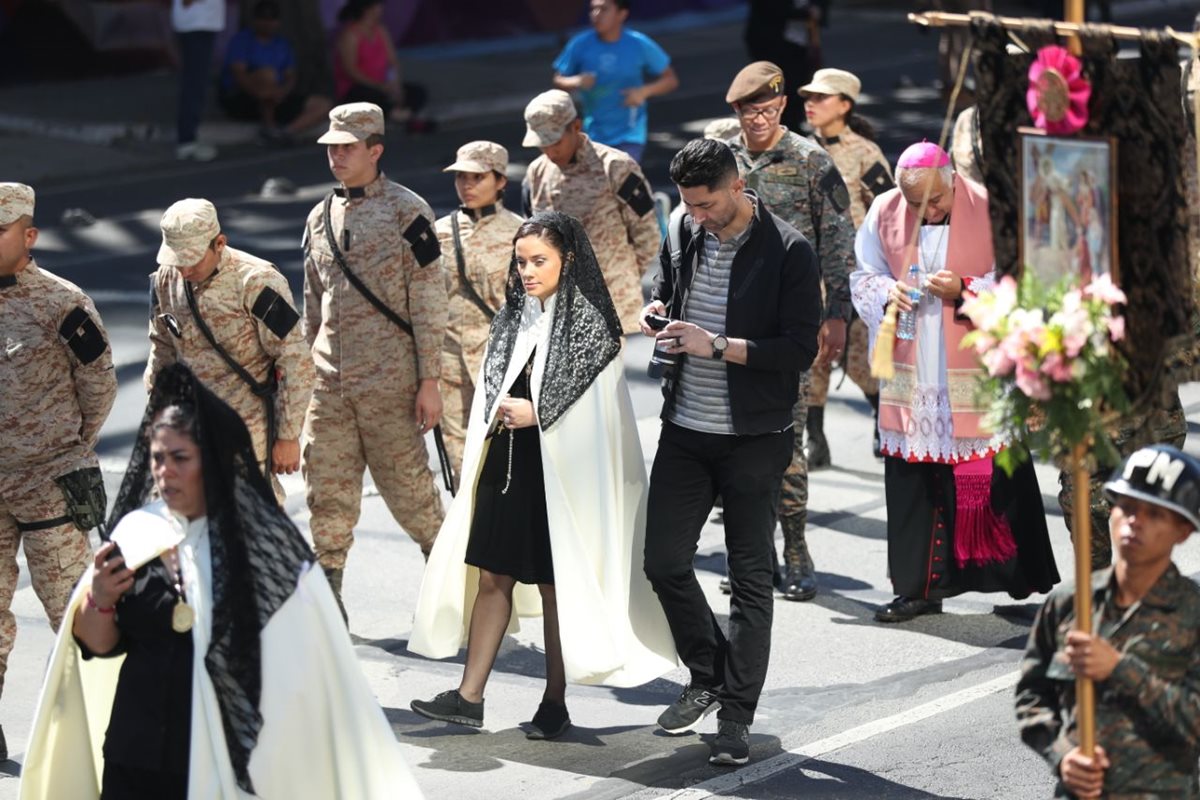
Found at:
<point>600,186</point>
<point>829,106</point>
<point>966,149</point>
<point>475,264</point>
<point>246,305</point>
<point>799,182</point>
<point>1144,657</point>
<point>57,386</point>
<point>376,392</point>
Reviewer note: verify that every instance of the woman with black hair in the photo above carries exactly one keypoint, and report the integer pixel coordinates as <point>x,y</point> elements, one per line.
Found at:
<point>366,68</point>
<point>198,635</point>
<point>553,495</point>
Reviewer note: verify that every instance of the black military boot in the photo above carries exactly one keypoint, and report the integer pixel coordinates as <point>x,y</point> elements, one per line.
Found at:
<point>334,576</point>
<point>876,444</point>
<point>800,580</point>
<point>818,447</point>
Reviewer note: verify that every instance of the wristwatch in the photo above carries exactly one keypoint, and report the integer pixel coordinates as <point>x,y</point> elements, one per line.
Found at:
<point>719,343</point>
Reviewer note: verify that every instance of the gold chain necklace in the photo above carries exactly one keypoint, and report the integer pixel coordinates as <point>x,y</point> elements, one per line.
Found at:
<point>183,616</point>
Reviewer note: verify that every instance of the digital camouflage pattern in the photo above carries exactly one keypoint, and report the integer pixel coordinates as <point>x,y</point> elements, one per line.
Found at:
<point>247,304</point>
<point>965,147</point>
<point>867,175</point>
<point>1166,425</point>
<point>799,182</point>
<point>605,190</point>
<point>367,370</point>
<point>16,201</point>
<point>57,386</point>
<point>487,242</point>
<point>856,362</point>
<point>1147,711</point>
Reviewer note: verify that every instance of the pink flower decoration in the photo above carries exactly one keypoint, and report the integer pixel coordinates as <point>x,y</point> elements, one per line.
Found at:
<point>1103,288</point>
<point>1116,328</point>
<point>1031,384</point>
<point>1058,93</point>
<point>1057,368</point>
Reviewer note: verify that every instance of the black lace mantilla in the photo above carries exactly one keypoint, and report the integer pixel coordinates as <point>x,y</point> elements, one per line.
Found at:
<point>258,555</point>
<point>585,332</point>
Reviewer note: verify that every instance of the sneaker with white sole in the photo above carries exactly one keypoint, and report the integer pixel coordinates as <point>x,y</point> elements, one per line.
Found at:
<point>731,748</point>
<point>195,151</point>
<point>450,707</point>
<point>694,704</point>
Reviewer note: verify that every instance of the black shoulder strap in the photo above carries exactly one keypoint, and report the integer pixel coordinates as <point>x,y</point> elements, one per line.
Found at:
<point>259,389</point>
<point>468,287</point>
<point>355,281</point>
<point>381,307</point>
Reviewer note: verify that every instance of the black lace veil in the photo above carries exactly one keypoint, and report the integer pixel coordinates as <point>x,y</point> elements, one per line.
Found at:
<point>258,554</point>
<point>585,332</point>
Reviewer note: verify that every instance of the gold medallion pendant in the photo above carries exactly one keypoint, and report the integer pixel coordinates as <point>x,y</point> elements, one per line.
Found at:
<point>182,617</point>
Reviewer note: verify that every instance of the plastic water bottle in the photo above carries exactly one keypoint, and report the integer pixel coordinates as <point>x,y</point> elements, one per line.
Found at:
<point>906,326</point>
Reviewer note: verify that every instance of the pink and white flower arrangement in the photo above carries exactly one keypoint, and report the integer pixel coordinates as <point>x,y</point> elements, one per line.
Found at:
<point>1050,359</point>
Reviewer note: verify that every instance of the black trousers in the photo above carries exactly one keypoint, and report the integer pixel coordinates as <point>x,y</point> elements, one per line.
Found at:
<point>195,67</point>
<point>690,470</point>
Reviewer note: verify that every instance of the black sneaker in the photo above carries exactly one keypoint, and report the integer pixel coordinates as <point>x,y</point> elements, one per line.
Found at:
<point>694,704</point>
<point>550,721</point>
<point>731,748</point>
<point>450,707</point>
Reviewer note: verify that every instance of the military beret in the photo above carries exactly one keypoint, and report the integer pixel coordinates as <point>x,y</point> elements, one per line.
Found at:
<point>759,78</point>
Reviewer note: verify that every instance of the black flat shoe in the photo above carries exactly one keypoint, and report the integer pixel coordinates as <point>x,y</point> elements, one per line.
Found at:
<point>902,609</point>
<point>550,721</point>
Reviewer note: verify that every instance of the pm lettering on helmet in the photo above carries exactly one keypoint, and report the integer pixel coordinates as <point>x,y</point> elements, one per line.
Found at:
<point>1162,469</point>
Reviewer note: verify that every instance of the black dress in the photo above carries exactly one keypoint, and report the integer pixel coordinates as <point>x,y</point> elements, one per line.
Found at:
<point>509,531</point>
<point>147,745</point>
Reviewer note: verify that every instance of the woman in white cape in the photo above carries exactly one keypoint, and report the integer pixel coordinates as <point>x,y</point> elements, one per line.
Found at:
<point>553,496</point>
<point>205,659</point>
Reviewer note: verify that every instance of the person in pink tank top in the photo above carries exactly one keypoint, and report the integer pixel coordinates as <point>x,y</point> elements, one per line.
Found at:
<point>366,68</point>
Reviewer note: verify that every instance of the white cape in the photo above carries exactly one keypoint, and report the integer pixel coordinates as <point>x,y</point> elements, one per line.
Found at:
<point>323,735</point>
<point>612,626</point>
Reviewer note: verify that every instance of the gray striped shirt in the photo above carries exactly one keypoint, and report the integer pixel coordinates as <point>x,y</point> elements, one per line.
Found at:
<point>702,398</point>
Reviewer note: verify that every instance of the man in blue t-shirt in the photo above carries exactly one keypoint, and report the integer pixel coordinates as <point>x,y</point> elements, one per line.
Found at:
<point>258,79</point>
<point>615,72</point>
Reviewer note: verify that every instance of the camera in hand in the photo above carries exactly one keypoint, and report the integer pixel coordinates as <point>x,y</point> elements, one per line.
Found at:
<point>662,363</point>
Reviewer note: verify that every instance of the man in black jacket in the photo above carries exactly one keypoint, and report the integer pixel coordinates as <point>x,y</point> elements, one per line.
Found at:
<point>744,297</point>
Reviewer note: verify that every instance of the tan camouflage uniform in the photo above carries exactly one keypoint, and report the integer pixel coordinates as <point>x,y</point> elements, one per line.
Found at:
<point>799,182</point>
<point>247,304</point>
<point>867,175</point>
<point>605,190</point>
<point>57,386</point>
<point>368,372</point>
<point>1147,710</point>
<point>486,236</point>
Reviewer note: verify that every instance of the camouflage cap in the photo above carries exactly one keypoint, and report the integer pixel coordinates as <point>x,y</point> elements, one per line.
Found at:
<point>722,128</point>
<point>16,201</point>
<point>480,157</point>
<point>833,81</point>
<point>759,78</point>
<point>547,117</point>
<point>353,122</point>
<point>187,228</point>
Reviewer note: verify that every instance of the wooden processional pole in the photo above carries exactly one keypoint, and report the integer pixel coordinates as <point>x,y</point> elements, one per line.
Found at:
<point>1085,690</point>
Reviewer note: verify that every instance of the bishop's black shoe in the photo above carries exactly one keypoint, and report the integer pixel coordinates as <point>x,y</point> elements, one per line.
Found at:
<point>902,609</point>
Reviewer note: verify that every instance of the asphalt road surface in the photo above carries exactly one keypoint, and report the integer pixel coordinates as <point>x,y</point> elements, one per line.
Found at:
<point>851,708</point>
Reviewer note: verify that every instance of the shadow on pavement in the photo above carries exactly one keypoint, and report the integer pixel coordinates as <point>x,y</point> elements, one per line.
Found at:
<point>822,780</point>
